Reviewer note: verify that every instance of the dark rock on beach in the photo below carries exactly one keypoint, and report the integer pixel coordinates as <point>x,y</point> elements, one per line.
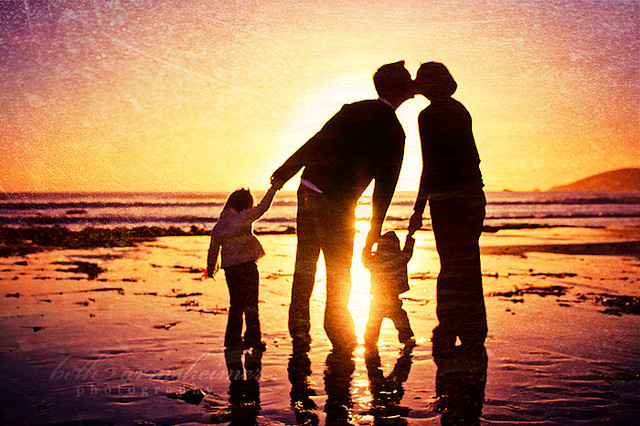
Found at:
<point>183,295</point>
<point>166,326</point>
<point>20,241</point>
<point>192,396</point>
<point>614,304</point>
<point>91,269</point>
<point>551,290</point>
<point>619,303</point>
<point>188,269</point>
<point>287,230</point>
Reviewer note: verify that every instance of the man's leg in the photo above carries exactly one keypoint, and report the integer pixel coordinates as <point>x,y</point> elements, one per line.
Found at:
<point>338,226</point>
<point>307,254</point>
<point>372,332</point>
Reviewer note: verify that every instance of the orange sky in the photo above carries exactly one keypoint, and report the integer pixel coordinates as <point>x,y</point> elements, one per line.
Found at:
<point>157,95</point>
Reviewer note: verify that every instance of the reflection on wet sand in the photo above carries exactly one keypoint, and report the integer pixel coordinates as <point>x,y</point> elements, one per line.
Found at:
<point>244,387</point>
<point>299,370</point>
<point>387,391</point>
<point>460,382</point>
<point>339,368</point>
<point>461,377</point>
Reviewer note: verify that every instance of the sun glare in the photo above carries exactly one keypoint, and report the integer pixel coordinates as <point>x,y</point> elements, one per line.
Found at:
<point>315,108</point>
<point>360,295</point>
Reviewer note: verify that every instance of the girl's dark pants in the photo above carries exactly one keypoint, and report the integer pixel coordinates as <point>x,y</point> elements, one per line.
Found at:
<point>457,220</point>
<point>242,281</point>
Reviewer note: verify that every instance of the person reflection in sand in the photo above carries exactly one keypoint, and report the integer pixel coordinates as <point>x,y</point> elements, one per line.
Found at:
<point>460,381</point>
<point>387,391</point>
<point>339,368</point>
<point>244,387</point>
<point>304,407</point>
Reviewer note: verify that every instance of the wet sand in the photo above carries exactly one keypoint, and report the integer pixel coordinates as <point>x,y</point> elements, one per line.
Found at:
<point>132,335</point>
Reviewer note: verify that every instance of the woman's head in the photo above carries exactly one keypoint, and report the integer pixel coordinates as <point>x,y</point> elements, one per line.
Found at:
<point>434,81</point>
<point>240,199</point>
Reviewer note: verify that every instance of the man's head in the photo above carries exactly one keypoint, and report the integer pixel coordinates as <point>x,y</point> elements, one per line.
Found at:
<point>393,83</point>
<point>434,81</point>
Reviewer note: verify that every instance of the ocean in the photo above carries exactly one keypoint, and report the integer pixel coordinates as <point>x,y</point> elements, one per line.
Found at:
<point>110,210</point>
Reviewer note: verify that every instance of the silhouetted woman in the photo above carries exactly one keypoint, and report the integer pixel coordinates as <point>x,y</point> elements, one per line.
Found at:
<point>452,183</point>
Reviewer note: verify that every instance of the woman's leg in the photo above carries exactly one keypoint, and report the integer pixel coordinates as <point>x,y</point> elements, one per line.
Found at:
<point>457,225</point>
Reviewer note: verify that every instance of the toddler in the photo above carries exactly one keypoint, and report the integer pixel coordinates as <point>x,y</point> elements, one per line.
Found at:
<point>388,267</point>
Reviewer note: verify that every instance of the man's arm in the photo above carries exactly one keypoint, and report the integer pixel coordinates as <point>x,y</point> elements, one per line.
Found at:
<point>387,162</point>
<point>386,180</point>
<point>415,222</point>
<point>293,164</point>
<point>383,190</point>
<point>312,151</point>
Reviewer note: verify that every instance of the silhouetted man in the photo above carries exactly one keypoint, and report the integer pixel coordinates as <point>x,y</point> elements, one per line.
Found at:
<point>364,141</point>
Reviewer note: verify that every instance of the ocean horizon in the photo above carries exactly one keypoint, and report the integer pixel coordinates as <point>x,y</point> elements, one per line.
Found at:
<point>201,209</point>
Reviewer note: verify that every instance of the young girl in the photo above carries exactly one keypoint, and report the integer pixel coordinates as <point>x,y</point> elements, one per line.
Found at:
<point>240,250</point>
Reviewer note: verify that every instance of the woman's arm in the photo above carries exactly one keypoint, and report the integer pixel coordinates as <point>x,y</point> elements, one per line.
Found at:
<point>407,251</point>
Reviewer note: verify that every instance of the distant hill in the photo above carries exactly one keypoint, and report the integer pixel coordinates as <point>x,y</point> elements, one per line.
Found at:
<point>616,180</point>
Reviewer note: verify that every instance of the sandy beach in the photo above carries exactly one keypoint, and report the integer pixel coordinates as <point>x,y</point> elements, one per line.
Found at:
<point>132,335</point>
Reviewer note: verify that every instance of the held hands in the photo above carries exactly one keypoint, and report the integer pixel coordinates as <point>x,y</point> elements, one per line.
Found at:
<point>366,254</point>
<point>208,273</point>
<point>372,237</point>
<point>415,223</point>
<point>277,183</point>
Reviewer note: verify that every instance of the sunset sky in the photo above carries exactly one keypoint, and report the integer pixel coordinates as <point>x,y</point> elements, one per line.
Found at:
<point>195,95</point>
